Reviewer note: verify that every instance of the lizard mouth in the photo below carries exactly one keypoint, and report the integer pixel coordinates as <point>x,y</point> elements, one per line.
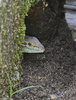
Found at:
<point>32,50</point>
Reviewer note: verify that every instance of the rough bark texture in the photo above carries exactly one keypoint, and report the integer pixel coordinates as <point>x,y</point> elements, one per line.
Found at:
<point>11,36</point>
<point>42,20</point>
<point>10,59</point>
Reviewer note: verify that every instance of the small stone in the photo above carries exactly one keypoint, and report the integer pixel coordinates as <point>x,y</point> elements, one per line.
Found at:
<point>39,77</point>
<point>33,91</point>
<point>12,99</point>
<point>53,97</point>
<point>48,98</point>
<point>42,94</point>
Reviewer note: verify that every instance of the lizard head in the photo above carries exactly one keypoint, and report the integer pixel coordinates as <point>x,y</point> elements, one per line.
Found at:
<point>29,47</point>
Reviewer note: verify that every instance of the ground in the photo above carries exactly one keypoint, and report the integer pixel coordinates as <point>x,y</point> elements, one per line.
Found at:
<point>54,70</point>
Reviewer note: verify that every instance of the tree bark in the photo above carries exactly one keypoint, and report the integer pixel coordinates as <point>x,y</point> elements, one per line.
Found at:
<point>42,21</point>
<point>12,34</point>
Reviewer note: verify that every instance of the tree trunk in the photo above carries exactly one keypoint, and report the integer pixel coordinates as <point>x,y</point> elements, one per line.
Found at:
<point>12,34</point>
<point>43,20</point>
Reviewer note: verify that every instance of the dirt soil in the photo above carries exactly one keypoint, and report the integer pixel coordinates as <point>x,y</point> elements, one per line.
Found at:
<point>54,70</point>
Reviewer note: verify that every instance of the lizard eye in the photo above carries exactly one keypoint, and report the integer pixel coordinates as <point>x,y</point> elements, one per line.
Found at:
<point>29,44</point>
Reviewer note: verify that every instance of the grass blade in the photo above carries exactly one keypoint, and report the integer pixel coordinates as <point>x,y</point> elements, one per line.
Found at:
<point>10,84</point>
<point>24,89</point>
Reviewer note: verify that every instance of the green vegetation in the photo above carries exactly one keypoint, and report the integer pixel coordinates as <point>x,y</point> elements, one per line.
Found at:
<point>11,90</point>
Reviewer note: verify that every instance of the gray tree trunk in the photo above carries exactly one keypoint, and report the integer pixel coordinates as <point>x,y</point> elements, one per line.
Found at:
<point>12,32</point>
<point>9,48</point>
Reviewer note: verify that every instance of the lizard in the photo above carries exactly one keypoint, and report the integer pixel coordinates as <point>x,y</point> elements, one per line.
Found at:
<point>32,45</point>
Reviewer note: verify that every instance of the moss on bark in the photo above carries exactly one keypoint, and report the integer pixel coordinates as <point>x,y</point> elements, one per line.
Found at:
<point>12,35</point>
